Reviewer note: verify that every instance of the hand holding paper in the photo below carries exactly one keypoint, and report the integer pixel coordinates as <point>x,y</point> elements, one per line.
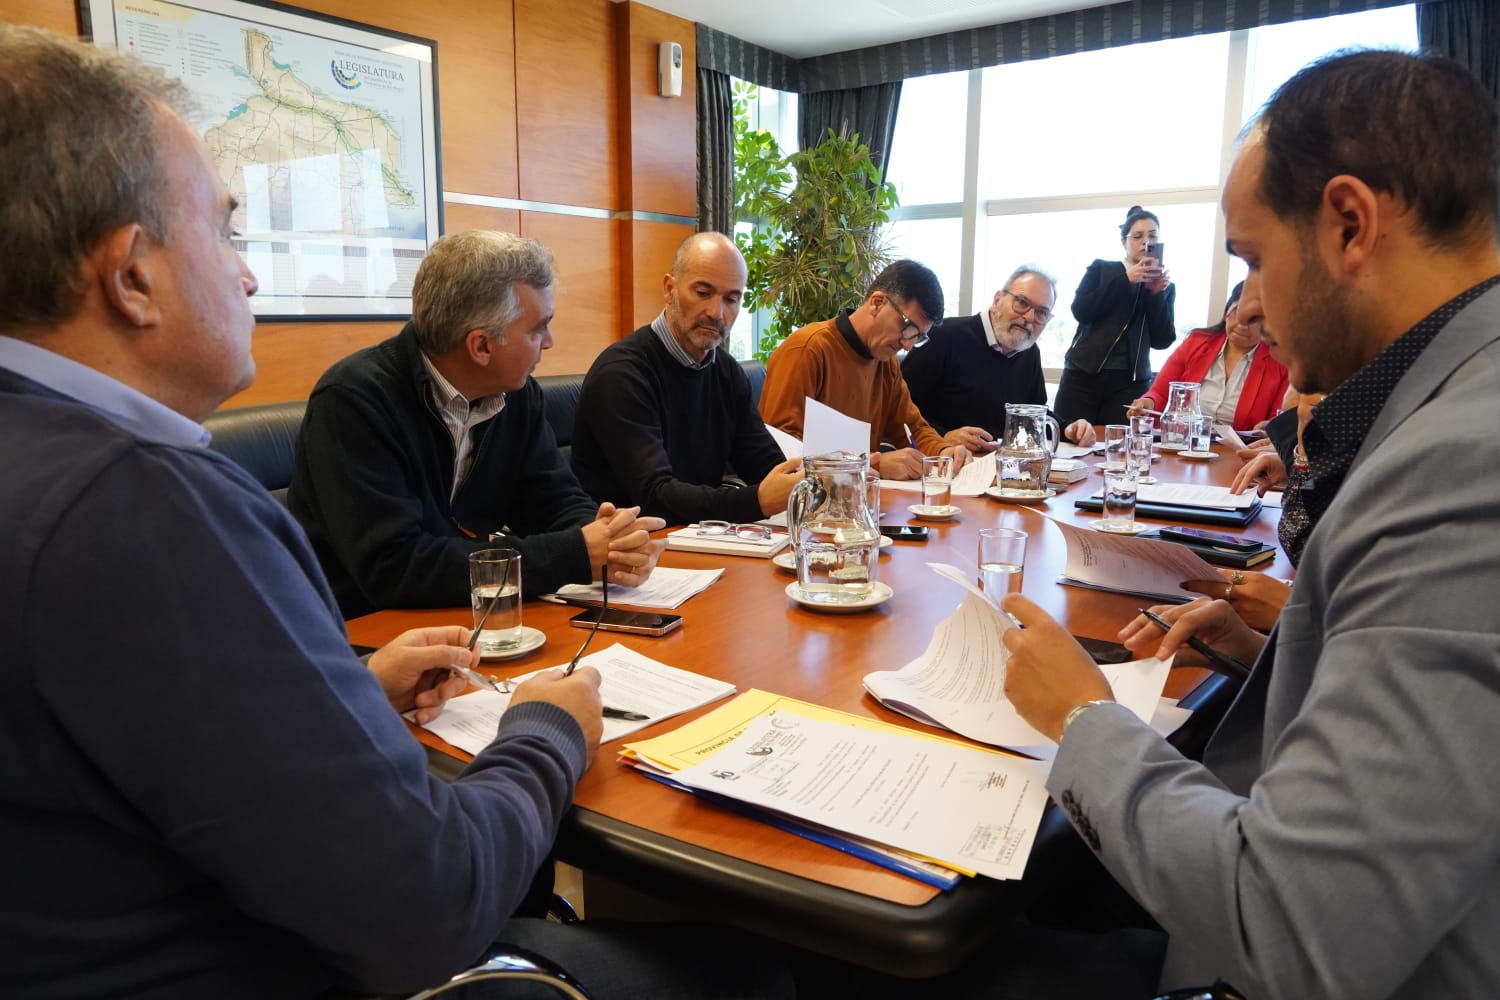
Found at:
<point>1048,673</point>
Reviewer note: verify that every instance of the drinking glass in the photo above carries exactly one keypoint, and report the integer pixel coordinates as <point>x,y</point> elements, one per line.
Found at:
<point>495,587</point>
<point>1002,561</point>
<point>1119,501</point>
<point>1138,457</point>
<point>937,480</point>
<point>1114,442</point>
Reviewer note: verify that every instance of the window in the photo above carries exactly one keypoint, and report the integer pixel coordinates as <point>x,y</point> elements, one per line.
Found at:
<point>1067,144</point>
<point>776,112</point>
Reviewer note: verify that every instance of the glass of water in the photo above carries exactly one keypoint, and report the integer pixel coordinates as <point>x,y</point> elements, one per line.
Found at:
<point>937,481</point>
<point>1119,501</point>
<point>1002,561</point>
<point>495,593</point>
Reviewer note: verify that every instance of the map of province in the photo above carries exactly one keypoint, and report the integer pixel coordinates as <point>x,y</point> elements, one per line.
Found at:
<point>297,160</point>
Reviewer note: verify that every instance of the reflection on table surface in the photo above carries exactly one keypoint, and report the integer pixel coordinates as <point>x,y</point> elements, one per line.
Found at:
<point>744,629</point>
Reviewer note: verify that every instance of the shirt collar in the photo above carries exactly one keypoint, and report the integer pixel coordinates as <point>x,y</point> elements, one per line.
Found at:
<point>449,400</point>
<point>1347,413</point>
<point>846,328</point>
<point>664,333</point>
<point>119,403</point>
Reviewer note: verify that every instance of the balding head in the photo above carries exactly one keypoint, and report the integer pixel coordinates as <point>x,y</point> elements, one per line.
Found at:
<point>703,292</point>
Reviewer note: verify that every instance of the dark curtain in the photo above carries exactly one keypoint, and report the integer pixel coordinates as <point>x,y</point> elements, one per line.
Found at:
<point>870,111</point>
<point>715,153</point>
<point>1466,31</point>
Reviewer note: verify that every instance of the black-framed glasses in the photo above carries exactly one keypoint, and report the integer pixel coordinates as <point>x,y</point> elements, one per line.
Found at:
<point>917,338</point>
<point>749,532</point>
<point>1024,305</point>
<point>603,607</point>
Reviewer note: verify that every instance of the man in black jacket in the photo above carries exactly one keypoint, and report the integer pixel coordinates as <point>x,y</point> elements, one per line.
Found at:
<point>425,448</point>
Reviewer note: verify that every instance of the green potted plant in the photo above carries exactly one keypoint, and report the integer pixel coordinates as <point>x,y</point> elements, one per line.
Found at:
<point>819,218</point>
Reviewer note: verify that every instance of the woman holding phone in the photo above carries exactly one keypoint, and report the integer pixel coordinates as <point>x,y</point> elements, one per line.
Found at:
<point>1124,311</point>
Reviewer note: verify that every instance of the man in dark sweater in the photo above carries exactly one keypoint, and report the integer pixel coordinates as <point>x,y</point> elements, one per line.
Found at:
<point>204,793</point>
<point>665,412</point>
<point>432,445</point>
<point>971,367</point>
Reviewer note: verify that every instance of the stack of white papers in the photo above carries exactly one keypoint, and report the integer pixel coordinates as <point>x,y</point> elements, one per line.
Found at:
<point>666,587</point>
<point>958,683</point>
<point>1190,495</point>
<point>962,806</point>
<point>628,680</point>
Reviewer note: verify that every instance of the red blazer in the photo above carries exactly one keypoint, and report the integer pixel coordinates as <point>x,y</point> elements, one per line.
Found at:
<point>1265,384</point>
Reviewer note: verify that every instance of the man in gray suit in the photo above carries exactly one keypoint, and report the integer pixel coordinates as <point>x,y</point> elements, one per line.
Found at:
<point>1342,836</point>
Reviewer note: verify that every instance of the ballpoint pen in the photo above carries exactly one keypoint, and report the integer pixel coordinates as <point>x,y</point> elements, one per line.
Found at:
<point>1219,662</point>
<point>911,442</point>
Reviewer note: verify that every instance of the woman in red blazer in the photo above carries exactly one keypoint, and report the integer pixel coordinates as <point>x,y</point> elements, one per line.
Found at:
<point>1246,406</point>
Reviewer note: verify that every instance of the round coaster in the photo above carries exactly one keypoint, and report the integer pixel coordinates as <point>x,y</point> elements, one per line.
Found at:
<point>1200,456</point>
<point>1135,528</point>
<point>927,513</point>
<point>878,595</point>
<point>1020,496</point>
<point>531,638</point>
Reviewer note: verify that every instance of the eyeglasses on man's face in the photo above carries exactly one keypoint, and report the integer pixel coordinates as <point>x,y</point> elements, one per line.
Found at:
<point>910,334</point>
<point>1023,305</point>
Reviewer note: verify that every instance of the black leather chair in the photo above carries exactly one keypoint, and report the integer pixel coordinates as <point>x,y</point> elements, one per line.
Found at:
<point>261,439</point>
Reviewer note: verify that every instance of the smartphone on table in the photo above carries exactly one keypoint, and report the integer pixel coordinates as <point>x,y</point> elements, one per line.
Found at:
<point>905,532</point>
<point>635,622</point>
<point>1197,536</point>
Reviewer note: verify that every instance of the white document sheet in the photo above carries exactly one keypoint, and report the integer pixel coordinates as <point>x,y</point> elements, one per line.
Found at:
<point>974,809</point>
<point>959,681</point>
<point>1190,495</point>
<point>1129,565</point>
<point>1066,449</point>
<point>1273,498</point>
<point>825,429</point>
<point>628,680</point>
<point>790,447</point>
<point>973,479</point>
<point>1228,436</point>
<point>666,587</point>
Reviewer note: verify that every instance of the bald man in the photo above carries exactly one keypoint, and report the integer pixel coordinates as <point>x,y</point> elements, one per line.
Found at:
<point>664,413</point>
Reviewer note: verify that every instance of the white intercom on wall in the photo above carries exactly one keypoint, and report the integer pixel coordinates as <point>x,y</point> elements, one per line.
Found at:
<point>669,69</point>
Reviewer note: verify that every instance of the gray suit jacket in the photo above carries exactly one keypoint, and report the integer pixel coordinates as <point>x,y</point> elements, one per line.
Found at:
<point>1342,838</point>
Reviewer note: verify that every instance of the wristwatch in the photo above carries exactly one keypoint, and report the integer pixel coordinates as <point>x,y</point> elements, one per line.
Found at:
<point>1078,710</point>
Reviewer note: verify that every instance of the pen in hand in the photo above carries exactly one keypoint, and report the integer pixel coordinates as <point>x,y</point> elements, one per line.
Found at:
<point>911,442</point>
<point>1219,662</point>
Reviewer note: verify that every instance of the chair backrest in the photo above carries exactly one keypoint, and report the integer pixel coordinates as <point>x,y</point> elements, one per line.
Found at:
<point>261,439</point>
<point>560,395</point>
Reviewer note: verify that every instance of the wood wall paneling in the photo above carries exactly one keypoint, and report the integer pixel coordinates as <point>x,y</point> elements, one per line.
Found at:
<point>60,16</point>
<point>565,102</point>
<point>661,157</point>
<point>588,275</point>
<point>534,95</point>
<point>652,245</point>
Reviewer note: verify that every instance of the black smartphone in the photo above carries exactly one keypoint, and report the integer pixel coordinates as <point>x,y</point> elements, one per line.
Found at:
<point>905,532</point>
<point>1156,251</point>
<point>637,622</point>
<point>1104,651</point>
<point>1179,533</point>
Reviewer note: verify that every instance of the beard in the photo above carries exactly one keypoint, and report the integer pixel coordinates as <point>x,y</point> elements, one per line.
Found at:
<point>1016,337</point>
<point>1325,330</point>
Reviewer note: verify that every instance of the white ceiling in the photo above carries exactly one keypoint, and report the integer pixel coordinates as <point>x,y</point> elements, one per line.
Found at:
<point>802,28</point>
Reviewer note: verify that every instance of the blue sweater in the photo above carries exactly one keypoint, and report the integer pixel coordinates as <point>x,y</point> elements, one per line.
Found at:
<point>202,792</point>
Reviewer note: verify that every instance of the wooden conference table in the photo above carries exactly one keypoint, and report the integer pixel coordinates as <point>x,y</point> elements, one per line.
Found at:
<point>735,870</point>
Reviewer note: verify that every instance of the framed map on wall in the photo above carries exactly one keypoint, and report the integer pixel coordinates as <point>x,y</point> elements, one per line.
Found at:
<point>325,132</point>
